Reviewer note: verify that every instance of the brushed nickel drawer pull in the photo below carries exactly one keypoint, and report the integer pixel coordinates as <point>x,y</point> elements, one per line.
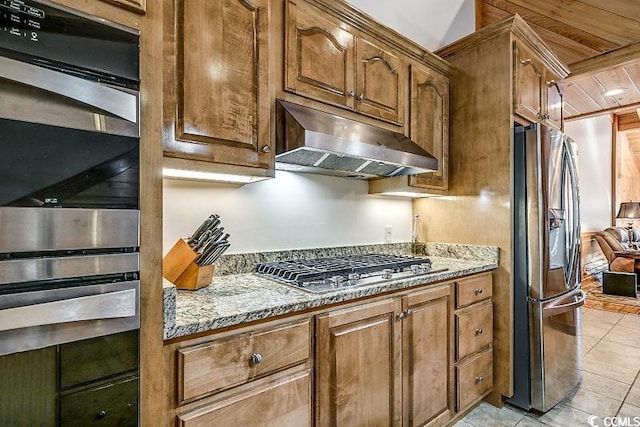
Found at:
<point>479,379</point>
<point>256,358</point>
<point>478,291</point>
<point>479,331</point>
<point>266,148</point>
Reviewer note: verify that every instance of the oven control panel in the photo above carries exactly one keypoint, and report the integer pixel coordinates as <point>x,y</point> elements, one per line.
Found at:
<point>64,39</point>
<point>21,20</point>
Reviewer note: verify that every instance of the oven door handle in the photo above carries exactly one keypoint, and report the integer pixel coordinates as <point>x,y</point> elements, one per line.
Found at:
<point>112,101</point>
<point>92,307</point>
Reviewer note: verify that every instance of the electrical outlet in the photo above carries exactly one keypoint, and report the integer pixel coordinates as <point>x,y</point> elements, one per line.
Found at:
<point>387,233</point>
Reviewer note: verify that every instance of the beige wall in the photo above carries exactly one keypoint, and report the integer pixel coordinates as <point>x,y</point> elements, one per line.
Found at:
<point>593,145</point>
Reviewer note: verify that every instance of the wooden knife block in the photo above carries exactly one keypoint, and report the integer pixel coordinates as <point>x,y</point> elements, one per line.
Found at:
<point>179,268</point>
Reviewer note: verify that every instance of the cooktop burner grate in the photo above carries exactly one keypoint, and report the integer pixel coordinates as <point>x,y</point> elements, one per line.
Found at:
<point>326,274</point>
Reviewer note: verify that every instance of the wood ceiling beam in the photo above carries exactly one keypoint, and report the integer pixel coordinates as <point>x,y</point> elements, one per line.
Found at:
<point>611,110</point>
<point>629,121</point>
<point>605,61</point>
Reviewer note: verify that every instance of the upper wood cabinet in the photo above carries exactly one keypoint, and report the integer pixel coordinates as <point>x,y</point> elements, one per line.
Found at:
<point>538,95</point>
<point>528,83</point>
<point>380,82</point>
<point>217,103</point>
<point>430,123</point>
<point>554,100</point>
<point>328,63</point>
<point>319,56</point>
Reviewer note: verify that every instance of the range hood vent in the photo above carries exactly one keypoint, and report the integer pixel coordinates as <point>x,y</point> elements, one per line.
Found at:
<point>310,140</point>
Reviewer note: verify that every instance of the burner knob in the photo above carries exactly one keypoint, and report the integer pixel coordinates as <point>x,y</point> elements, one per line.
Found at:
<point>387,273</point>
<point>415,269</point>
<point>426,267</point>
<point>353,277</point>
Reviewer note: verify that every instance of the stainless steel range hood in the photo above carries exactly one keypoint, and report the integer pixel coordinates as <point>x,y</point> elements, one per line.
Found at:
<point>310,140</point>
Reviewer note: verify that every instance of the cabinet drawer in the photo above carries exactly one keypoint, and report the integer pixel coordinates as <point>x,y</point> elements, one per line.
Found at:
<point>475,378</point>
<point>473,289</point>
<point>96,358</point>
<point>474,329</point>
<point>111,404</point>
<point>206,368</point>
<point>284,403</point>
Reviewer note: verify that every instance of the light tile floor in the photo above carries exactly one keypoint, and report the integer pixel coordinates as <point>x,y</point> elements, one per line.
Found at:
<point>609,387</point>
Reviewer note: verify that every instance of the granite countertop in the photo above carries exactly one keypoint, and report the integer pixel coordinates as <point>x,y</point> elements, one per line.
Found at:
<point>233,299</point>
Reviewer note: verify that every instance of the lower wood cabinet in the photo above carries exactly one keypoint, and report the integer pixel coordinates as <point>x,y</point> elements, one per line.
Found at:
<point>474,339</point>
<point>258,376</point>
<point>387,362</point>
<point>359,365</point>
<point>428,357</point>
<point>413,358</point>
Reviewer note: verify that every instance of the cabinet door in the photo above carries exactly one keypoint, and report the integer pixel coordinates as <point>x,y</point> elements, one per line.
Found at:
<point>217,94</point>
<point>554,101</point>
<point>358,366</point>
<point>283,403</point>
<point>430,124</point>
<point>380,82</point>
<point>528,83</point>
<point>28,388</point>
<point>319,56</point>
<point>428,357</point>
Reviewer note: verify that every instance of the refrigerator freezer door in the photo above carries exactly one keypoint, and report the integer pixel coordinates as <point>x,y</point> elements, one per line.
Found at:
<point>553,230</point>
<point>555,348</point>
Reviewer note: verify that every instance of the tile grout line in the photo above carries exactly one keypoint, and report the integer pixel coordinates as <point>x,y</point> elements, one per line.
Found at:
<point>628,391</point>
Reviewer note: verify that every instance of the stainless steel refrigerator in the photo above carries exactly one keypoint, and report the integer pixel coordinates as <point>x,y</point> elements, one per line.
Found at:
<point>547,294</point>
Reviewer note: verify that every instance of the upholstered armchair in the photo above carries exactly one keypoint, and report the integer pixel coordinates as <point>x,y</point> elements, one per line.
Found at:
<point>616,239</point>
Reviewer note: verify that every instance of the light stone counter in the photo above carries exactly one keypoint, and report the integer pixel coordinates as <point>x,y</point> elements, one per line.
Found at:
<point>244,297</point>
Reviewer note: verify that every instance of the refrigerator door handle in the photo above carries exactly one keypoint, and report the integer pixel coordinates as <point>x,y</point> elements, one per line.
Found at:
<point>574,255</point>
<point>551,309</point>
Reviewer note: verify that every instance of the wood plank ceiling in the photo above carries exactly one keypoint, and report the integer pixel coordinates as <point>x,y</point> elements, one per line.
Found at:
<point>598,39</point>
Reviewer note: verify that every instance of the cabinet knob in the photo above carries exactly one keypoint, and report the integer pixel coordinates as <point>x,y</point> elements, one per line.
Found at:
<point>256,358</point>
<point>351,94</point>
<point>361,97</point>
<point>101,414</point>
<point>266,148</point>
<point>479,379</point>
<point>478,291</point>
<point>479,331</point>
<point>408,312</point>
<point>546,116</point>
<point>400,315</point>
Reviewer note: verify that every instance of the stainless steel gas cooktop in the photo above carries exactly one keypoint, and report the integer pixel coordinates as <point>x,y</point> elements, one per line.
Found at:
<point>330,274</point>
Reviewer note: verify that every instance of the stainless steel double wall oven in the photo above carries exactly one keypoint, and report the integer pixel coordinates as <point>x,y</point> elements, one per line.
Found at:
<point>69,136</point>
<point>69,162</point>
